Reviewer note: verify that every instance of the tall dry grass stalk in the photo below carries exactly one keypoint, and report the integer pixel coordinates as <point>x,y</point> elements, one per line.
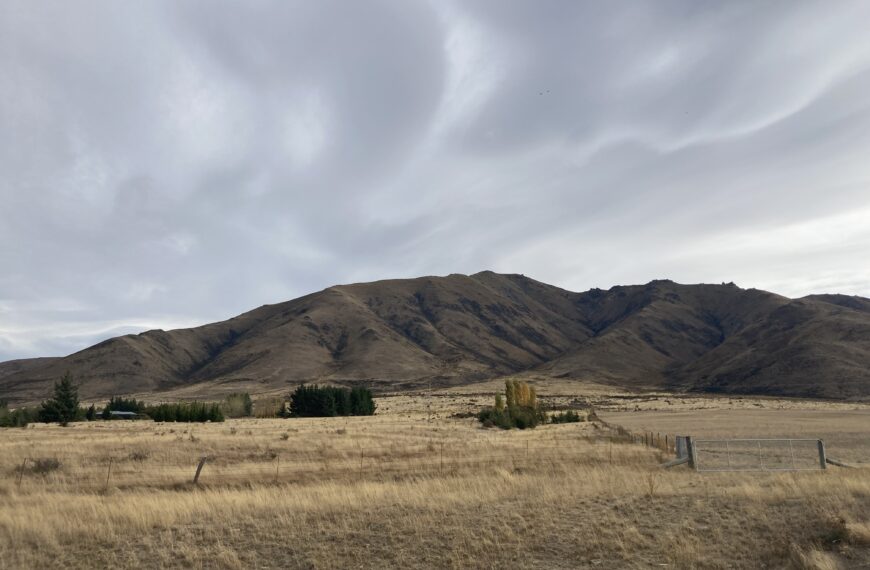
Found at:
<point>377,492</point>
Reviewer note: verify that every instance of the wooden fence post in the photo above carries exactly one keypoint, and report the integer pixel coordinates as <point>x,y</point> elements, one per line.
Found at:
<point>199,470</point>
<point>823,462</point>
<point>108,474</point>
<point>690,449</point>
<point>21,473</point>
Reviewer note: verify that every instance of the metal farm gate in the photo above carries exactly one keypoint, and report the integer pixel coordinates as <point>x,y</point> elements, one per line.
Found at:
<point>758,454</point>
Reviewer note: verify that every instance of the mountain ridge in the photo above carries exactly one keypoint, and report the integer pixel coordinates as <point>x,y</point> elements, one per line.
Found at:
<point>405,333</point>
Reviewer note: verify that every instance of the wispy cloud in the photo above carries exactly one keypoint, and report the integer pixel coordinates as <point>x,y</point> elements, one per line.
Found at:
<point>170,164</point>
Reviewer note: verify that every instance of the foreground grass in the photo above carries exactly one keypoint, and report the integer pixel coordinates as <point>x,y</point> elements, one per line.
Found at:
<point>565,497</point>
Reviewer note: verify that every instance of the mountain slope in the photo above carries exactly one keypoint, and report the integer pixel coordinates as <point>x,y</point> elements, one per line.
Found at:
<point>451,329</point>
<point>458,329</point>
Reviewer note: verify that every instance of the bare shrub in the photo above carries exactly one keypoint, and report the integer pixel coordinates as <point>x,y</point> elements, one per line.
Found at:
<point>45,465</point>
<point>140,454</point>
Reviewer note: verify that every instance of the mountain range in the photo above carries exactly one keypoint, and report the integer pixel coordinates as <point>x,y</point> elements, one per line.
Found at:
<point>403,334</point>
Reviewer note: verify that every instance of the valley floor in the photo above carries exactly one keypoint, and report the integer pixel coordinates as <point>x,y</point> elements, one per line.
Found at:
<point>420,485</point>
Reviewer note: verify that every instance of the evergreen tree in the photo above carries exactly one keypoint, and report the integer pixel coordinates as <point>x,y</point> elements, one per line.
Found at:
<point>327,401</point>
<point>62,408</point>
<point>362,402</point>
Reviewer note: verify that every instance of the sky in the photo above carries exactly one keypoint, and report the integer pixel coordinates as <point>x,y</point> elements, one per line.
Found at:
<point>168,164</point>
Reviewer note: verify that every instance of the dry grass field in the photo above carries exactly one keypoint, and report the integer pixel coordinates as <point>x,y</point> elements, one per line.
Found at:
<point>418,487</point>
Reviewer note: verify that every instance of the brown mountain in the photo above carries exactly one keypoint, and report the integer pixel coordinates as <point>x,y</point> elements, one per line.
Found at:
<point>459,329</point>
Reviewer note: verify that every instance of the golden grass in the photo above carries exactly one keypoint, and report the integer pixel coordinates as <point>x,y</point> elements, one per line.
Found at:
<point>559,496</point>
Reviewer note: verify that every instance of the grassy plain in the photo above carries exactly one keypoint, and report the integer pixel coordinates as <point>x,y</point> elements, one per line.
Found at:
<point>421,485</point>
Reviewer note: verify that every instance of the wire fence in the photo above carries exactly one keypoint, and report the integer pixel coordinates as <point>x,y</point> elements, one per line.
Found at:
<point>758,454</point>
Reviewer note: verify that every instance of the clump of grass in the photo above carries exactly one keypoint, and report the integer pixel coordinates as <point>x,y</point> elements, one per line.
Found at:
<point>812,558</point>
<point>858,533</point>
<point>140,454</point>
<point>45,465</point>
<point>285,436</point>
<point>652,484</point>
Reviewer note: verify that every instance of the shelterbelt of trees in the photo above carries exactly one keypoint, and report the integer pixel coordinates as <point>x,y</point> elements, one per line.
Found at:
<point>63,407</point>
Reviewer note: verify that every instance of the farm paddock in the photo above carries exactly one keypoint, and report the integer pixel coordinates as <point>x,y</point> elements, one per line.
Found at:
<point>420,484</point>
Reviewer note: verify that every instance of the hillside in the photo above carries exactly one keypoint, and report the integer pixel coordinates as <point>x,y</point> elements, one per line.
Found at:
<point>458,329</point>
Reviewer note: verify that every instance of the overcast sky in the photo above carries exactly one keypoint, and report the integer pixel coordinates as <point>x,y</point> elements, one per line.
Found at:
<point>166,164</point>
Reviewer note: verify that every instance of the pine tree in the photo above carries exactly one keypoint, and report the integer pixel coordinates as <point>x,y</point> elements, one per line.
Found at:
<point>62,408</point>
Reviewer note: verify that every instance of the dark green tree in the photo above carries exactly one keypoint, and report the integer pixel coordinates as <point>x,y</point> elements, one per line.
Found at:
<point>362,403</point>
<point>327,401</point>
<point>61,408</point>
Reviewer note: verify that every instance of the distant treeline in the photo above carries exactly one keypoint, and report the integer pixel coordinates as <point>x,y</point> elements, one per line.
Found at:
<point>186,412</point>
<point>328,401</point>
<point>306,401</point>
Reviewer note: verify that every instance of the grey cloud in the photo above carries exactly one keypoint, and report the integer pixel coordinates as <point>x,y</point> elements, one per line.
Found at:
<point>169,164</point>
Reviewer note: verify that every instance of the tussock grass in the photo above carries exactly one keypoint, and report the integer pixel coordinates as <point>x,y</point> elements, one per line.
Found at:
<point>559,496</point>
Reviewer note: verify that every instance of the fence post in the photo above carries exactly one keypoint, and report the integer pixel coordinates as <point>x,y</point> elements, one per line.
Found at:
<point>690,449</point>
<point>823,462</point>
<point>21,473</point>
<point>108,474</point>
<point>199,470</point>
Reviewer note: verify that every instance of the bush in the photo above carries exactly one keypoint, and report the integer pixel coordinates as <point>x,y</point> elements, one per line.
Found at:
<point>566,417</point>
<point>45,465</point>
<point>18,417</point>
<point>328,401</point>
